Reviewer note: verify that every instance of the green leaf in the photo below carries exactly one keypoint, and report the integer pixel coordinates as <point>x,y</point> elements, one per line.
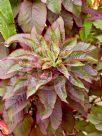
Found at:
<point>7,27</point>
<point>98,24</point>
<point>95,117</point>
<point>15,4</point>
<point>73,6</point>
<point>63,70</point>
<point>99,66</point>
<point>54,5</point>
<point>56,32</point>
<point>99,37</point>
<point>80,134</point>
<point>24,127</point>
<point>77,82</point>
<point>85,31</point>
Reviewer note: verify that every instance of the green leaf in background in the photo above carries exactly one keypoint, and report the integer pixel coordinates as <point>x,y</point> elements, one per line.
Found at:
<point>85,31</point>
<point>15,4</point>
<point>98,24</point>
<point>95,117</point>
<point>7,27</point>
<point>99,37</point>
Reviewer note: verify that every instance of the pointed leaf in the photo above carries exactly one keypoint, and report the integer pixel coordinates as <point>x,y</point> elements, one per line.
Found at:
<point>54,5</point>
<point>7,27</point>
<point>60,88</point>
<point>36,83</point>
<point>76,82</point>
<point>56,31</point>
<point>63,70</point>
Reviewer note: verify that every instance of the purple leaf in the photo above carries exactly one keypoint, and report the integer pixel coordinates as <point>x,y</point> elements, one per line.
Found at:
<point>56,116</point>
<point>47,97</point>
<point>43,124</point>
<point>90,70</point>
<point>70,6</point>
<point>4,68</point>
<point>60,88</point>
<point>24,40</point>
<point>78,99</point>
<point>58,28</point>
<point>35,83</point>
<point>63,70</point>
<point>32,14</point>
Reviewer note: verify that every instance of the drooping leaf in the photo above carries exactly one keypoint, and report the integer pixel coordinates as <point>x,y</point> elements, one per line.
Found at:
<point>47,97</point>
<point>14,110</point>
<point>32,14</point>
<point>43,124</point>
<point>12,123</point>
<point>56,116</point>
<point>24,127</point>
<point>24,39</point>
<point>60,88</point>
<point>7,27</point>
<point>78,99</point>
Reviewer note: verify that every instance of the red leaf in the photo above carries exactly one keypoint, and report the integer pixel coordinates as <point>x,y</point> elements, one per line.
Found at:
<point>3,127</point>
